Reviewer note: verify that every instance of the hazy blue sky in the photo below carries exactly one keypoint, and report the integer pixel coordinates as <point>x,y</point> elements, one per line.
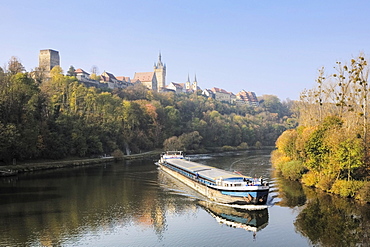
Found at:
<point>266,46</point>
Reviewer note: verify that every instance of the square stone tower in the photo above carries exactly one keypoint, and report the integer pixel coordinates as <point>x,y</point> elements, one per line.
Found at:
<point>48,59</point>
<point>160,73</point>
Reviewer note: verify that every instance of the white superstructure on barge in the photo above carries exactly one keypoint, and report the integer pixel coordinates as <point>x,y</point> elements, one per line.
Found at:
<point>218,185</point>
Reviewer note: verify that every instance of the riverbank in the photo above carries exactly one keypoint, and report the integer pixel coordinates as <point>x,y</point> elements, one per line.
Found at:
<point>23,167</point>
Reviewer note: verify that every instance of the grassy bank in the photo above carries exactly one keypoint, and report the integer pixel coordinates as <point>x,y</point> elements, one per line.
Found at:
<point>32,166</point>
<point>22,167</point>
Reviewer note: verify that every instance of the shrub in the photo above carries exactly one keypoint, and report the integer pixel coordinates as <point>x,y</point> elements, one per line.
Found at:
<point>293,170</point>
<point>310,179</point>
<point>118,154</point>
<point>258,145</point>
<point>364,193</point>
<point>325,182</point>
<point>228,148</point>
<point>278,159</point>
<point>346,188</point>
<point>243,146</point>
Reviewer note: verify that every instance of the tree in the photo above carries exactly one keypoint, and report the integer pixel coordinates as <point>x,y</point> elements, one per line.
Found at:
<point>94,73</point>
<point>71,71</point>
<point>15,66</point>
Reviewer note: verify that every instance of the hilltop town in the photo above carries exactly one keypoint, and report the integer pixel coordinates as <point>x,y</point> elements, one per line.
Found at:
<point>153,80</point>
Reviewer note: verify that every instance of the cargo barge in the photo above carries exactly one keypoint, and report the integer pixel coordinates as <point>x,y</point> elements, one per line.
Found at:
<point>218,185</point>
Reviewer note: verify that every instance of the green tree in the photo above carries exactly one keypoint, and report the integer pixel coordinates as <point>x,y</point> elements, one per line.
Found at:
<point>71,71</point>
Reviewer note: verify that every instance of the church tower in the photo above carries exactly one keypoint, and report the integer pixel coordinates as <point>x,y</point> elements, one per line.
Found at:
<point>195,84</point>
<point>187,84</point>
<point>160,73</point>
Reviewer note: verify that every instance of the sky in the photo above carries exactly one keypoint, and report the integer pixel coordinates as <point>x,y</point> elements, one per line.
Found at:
<point>266,46</point>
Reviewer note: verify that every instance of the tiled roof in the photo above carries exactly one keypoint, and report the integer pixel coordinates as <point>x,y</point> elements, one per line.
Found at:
<point>110,75</point>
<point>247,96</point>
<point>219,90</point>
<point>144,76</point>
<point>123,78</point>
<point>80,71</point>
<point>177,85</point>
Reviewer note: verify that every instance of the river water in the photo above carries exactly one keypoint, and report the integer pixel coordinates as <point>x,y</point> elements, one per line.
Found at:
<point>134,204</point>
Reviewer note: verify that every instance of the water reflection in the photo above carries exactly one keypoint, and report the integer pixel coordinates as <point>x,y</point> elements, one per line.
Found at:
<point>250,220</point>
<point>332,221</point>
<point>136,205</point>
<point>290,193</point>
<point>48,208</point>
<point>325,219</point>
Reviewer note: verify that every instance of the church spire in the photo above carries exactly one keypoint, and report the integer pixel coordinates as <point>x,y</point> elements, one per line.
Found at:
<point>159,63</point>
<point>160,72</point>
<point>187,84</point>
<point>195,84</point>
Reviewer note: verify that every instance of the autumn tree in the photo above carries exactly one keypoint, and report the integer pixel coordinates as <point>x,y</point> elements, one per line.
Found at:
<point>15,66</point>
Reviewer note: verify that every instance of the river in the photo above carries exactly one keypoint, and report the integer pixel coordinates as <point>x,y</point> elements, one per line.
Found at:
<point>134,204</point>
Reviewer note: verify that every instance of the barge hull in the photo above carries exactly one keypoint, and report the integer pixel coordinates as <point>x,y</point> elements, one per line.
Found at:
<point>212,194</point>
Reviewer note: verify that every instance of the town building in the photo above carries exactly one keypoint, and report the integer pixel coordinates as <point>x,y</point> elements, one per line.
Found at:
<point>176,87</point>
<point>155,81</point>
<point>221,94</point>
<point>107,80</point>
<point>148,79</point>
<point>112,81</point>
<point>208,93</point>
<point>249,98</point>
<point>186,87</point>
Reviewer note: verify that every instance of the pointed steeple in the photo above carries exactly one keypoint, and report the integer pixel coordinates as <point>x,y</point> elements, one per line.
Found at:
<point>195,84</point>
<point>187,84</point>
<point>159,63</point>
<point>160,72</point>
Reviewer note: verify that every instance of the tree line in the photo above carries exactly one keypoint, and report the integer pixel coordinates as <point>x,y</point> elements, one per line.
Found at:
<point>330,147</point>
<point>60,117</point>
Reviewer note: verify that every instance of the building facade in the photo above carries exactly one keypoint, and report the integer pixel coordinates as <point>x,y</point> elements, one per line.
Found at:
<point>148,79</point>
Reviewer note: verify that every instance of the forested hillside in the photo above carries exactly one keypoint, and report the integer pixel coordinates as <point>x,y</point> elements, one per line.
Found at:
<point>330,147</point>
<point>60,117</point>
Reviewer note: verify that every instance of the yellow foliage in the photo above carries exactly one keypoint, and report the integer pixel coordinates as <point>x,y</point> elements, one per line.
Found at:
<point>364,193</point>
<point>285,139</point>
<point>310,179</point>
<point>346,188</point>
<point>325,182</point>
<point>278,159</point>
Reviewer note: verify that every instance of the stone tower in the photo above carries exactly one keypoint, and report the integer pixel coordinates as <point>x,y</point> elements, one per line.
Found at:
<point>48,59</point>
<point>160,73</point>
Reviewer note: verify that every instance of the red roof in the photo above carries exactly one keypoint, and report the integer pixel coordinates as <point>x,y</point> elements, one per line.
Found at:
<point>81,71</point>
<point>144,76</point>
<point>219,90</point>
